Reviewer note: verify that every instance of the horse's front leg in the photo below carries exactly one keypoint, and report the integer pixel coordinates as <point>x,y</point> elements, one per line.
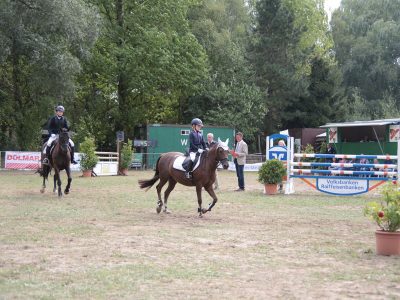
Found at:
<point>211,192</point>
<point>200,210</point>
<point>66,191</point>
<point>58,179</point>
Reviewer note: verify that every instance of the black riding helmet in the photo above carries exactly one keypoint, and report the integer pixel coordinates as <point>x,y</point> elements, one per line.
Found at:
<point>197,121</point>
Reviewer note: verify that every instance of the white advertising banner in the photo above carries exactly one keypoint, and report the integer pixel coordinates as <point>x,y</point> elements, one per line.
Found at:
<point>247,167</point>
<point>342,186</point>
<point>22,160</point>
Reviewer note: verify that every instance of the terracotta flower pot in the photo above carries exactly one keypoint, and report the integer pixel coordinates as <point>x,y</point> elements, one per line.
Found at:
<point>271,189</point>
<point>387,243</point>
<point>87,173</point>
<point>124,171</point>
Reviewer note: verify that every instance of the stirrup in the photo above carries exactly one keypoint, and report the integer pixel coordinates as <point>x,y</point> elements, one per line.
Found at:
<point>45,161</point>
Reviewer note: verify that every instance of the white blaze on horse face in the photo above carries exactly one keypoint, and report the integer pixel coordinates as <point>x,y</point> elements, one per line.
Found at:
<point>223,145</point>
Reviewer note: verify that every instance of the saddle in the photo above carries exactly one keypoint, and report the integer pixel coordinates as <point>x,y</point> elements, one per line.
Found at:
<point>181,162</point>
<point>52,146</point>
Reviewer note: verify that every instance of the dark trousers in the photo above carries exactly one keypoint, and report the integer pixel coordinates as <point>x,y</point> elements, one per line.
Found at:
<point>240,174</point>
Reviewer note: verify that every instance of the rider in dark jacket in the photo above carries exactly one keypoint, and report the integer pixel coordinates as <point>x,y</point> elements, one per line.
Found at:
<point>55,125</point>
<point>196,145</point>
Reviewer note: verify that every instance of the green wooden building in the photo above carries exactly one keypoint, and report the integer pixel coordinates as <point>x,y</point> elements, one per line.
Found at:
<point>364,137</point>
<point>167,138</point>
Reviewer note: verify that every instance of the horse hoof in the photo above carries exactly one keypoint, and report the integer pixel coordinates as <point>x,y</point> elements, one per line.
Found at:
<point>204,210</point>
<point>166,211</point>
<point>42,191</point>
<point>66,192</point>
<point>158,209</point>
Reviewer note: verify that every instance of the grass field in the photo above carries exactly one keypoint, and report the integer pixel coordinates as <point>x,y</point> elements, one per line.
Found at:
<point>105,241</point>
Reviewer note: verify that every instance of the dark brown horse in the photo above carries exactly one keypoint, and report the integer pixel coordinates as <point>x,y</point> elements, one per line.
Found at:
<point>203,175</point>
<point>60,160</point>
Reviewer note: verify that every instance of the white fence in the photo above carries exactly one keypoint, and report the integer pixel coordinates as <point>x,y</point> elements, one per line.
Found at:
<point>108,161</point>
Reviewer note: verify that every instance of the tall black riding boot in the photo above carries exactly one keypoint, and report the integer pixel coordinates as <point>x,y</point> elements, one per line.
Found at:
<point>46,159</point>
<point>188,173</point>
<point>72,155</point>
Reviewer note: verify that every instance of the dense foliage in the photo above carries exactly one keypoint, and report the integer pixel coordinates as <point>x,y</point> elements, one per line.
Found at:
<point>89,158</point>
<point>258,66</point>
<point>271,172</point>
<point>126,155</point>
<point>386,212</point>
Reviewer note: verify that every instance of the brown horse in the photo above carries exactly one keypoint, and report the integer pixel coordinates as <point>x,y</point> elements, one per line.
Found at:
<point>60,160</point>
<point>203,175</point>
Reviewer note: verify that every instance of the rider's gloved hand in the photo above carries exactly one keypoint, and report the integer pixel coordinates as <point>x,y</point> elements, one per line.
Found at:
<point>200,151</point>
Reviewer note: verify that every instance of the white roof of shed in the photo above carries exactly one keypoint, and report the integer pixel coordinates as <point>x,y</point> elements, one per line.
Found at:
<point>363,123</point>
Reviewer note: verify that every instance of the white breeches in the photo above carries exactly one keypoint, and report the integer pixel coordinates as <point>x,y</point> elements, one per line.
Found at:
<point>51,140</point>
<point>192,155</point>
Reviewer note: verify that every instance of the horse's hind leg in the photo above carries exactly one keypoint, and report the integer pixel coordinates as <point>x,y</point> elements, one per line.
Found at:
<point>171,186</point>
<point>45,175</point>
<point>159,188</point>
<point>42,190</point>
<point>66,191</point>
<point>55,182</point>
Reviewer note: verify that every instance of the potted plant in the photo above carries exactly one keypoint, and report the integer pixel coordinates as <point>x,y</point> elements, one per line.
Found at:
<point>89,158</point>
<point>270,174</point>
<point>386,214</point>
<point>126,157</point>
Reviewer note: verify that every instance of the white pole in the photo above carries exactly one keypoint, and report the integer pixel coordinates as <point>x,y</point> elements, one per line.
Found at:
<point>398,162</point>
<point>290,154</point>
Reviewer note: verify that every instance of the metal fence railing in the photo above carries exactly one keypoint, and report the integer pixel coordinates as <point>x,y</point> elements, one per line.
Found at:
<point>145,161</point>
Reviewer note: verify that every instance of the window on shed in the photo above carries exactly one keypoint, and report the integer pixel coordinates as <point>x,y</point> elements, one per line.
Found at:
<point>362,134</point>
<point>185,132</point>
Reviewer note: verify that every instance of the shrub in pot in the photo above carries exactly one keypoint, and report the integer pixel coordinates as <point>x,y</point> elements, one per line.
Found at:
<point>386,214</point>
<point>270,174</point>
<point>89,158</point>
<point>126,157</point>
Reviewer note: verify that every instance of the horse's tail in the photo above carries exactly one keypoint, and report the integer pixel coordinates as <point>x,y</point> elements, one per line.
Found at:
<point>43,171</point>
<point>150,182</point>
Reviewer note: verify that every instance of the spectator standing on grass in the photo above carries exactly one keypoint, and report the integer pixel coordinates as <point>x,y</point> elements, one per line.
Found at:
<point>239,155</point>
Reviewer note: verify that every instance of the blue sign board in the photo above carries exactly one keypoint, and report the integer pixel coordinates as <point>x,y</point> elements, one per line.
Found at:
<point>278,152</point>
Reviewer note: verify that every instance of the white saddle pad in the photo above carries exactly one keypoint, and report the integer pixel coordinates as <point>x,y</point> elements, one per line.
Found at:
<point>179,161</point>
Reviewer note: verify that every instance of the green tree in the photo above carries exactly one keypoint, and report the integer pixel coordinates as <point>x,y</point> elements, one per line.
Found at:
<point>145,65</point>
<point>288,35</point>
<point>43,43</point>
<point>366,35</point>
<point>230,96</point>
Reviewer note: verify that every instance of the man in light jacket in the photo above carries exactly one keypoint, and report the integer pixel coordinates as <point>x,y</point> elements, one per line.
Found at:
<point>240,154</point>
